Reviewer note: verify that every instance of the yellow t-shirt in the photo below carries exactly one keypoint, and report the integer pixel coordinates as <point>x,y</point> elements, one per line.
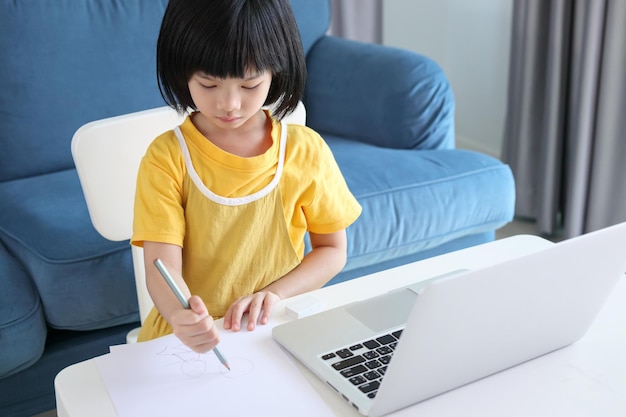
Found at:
<point>314,194</point>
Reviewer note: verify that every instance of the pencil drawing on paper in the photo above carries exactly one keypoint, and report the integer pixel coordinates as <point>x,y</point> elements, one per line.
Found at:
<point>193,364</point>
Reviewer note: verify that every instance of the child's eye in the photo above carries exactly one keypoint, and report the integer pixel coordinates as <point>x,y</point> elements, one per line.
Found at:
<point>250,87</point>
<point>207,86</point>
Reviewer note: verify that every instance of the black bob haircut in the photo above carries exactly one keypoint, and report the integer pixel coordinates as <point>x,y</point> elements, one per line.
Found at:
<point>226,38</point>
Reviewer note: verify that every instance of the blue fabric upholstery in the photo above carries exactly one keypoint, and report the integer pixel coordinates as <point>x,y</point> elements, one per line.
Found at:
<point>379,95</point>
<point>22,324</point>
<point>313,18</point>
<point>390,184</point>
<point>77,62</point>
<point>31,391</point>
<point>84,281</point>
<point>68,293</point>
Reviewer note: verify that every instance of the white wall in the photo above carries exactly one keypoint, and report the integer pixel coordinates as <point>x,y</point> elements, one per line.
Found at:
<point>470,40</point>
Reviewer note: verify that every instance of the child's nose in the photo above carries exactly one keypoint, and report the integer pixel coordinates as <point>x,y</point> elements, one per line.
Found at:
<point>230,101</point>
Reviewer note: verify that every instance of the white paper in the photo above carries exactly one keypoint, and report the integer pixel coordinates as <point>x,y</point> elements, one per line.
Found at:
<point>163,377</point>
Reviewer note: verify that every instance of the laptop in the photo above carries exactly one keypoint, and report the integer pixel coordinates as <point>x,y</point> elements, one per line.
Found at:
<point>399,348</point>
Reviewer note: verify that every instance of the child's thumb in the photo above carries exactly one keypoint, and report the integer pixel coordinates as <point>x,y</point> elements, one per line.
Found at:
<point>197,305</point>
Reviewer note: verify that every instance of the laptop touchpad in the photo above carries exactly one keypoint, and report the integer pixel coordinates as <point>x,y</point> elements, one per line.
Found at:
<point>384,311</point>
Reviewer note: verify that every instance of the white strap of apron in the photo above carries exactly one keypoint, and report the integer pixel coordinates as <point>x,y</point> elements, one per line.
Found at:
<point>237,201</point>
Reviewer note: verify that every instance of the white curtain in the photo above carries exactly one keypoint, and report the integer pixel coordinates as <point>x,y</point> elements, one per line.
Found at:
<point>359,20</point>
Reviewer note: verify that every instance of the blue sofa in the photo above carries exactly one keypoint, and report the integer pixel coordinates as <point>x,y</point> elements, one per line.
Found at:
<point>67,293</point>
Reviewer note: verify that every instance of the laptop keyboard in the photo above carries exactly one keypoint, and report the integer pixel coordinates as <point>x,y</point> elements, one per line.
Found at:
<point>364,364</point>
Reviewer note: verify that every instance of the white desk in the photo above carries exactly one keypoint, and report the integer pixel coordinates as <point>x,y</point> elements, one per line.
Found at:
<point>585,379</point>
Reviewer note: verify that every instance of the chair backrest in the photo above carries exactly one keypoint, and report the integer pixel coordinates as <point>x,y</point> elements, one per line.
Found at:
<point>107,154</point>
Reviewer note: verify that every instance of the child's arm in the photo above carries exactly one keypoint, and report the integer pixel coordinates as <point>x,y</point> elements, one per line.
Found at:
<point>326,259</point>
<point>193,326</point>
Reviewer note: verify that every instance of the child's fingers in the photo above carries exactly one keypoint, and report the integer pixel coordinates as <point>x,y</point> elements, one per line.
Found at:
<point>256,304</point>
<point>270,301</point>
<point>203,339</point>
<point>268,305</point>
<point>197,306</point>
<point>229,320</point>
<point>261,306</point>
<point>195,327</point>
<point>232,318</point>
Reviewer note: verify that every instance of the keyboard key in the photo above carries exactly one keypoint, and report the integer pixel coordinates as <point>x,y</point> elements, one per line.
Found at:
<point>357,380</point>
<point>355,370</point>
<point>356,347</point>
<point>382,370</point>
<point>373,364</point>
<point>328,356</point>
<point>370,355</point>
<point>371,375</point>
<point>346,363</point>
<point>372,394</point>
<point>397,334</point>
<point>384,350</point>
<point>371,344</point>
<point>344,353</point>
<point>385,359</point>
<point>370,386</point>
<point>386,339</point>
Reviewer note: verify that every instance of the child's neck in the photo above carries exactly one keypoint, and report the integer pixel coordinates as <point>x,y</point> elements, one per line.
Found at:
<point>251,139</point>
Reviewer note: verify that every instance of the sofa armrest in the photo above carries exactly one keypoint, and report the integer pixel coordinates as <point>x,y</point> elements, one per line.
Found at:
<point>377,94</point>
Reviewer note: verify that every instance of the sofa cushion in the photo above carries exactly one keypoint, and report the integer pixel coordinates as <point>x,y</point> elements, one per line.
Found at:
<point>428,198</point>
<point>402,100</point>
<point>84,281</point>
<point>22,324</point>
<point>68,63</point>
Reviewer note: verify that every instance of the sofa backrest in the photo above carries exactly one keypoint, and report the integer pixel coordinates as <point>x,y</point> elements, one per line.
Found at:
<point>313,17</point>
<point>66,63</point>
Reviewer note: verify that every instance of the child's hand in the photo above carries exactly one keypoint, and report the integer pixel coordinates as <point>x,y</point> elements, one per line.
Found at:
<point>195,327</point>
<point>259,303</point>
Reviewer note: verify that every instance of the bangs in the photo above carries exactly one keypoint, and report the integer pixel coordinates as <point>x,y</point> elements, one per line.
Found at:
<point>242,44</point>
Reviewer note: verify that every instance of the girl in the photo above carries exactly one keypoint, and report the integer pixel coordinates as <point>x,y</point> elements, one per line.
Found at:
<point>225,199</point>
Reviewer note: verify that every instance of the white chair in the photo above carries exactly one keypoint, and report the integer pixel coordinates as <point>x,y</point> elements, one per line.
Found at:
<point>107,154</point>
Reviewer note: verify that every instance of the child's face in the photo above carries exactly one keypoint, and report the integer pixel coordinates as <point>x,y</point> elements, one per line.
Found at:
<point>228,103</point>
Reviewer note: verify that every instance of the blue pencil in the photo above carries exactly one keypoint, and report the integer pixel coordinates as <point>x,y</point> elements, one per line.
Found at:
<point>183,301</point>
